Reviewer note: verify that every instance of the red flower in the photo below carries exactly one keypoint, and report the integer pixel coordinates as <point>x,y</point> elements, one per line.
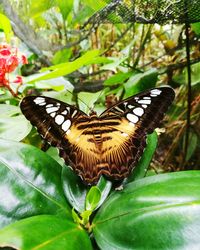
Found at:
<point>12,63</point>
<point>9,61</point>
<point>3,80</point>
<point>5,52</point>
<point>24,60</point>
<point>18,80</point>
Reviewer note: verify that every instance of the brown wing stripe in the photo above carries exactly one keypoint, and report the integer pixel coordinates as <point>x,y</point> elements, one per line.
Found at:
<point>96,124</point>
<point>99,131</point>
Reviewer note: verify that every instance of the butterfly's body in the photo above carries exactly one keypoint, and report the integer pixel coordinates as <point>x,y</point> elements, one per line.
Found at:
<point>110,144</point>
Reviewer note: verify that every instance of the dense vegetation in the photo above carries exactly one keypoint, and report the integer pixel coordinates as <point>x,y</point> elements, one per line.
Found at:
<point>45,51</point>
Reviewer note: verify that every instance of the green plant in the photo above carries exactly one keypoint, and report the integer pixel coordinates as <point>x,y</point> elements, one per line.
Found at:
<point>36,192</point>
<point>43,204</point>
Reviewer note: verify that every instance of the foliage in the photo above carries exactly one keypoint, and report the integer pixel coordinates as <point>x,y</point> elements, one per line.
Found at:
<point>146,206</point>
<point>42,202</point>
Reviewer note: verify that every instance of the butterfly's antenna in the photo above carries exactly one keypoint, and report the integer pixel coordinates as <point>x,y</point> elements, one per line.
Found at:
<point>74,94</point>
<point>79,99</point>
<point>91,108</point>
<point>100,94</point>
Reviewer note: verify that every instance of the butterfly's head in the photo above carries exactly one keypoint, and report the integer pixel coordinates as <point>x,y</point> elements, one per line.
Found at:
<point>93,113</point>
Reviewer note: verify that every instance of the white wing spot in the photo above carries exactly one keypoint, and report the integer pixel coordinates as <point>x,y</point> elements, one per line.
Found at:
<point>42,103</point>
<point>131,106</point>
<point>59,119</point>
<point>66,125</point>
<point>132,118</point>
<point>49,105</point>
<point>74,113</point>
<point>147,98</point>
<point>53,114</point>
<point>153,95</point>
<point>138,111</point>
<point>144,106</point>
<point>156,91</point>
<point>39,100</point>
<point>144,101</point>
<point>68,109</point>
<point>64,112</point>
<point>52,109</point>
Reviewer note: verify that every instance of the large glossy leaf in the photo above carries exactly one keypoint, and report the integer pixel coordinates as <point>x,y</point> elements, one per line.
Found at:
<point>29,183</point>
<point>159,212</point>
<point>13,125</point>
<point>46,232</point>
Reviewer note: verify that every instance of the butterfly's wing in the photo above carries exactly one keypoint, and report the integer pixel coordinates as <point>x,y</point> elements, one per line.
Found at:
<point>137,116</point>
<point>52,118</point>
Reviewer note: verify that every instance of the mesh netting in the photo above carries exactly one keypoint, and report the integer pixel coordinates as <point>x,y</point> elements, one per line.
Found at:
<point>147,11</point>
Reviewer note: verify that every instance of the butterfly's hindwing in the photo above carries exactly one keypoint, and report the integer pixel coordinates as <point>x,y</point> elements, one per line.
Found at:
<point>110,144</point>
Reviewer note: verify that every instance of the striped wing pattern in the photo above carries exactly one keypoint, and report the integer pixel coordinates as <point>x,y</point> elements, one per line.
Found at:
<point>110,144</point>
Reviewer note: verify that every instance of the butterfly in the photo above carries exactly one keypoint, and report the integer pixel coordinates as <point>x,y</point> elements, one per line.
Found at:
<point>109,144</point>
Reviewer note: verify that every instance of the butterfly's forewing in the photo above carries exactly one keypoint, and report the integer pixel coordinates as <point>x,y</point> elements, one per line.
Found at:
<point>107,145</point>
<point>146,109</point>
<point>138,115</point>
<point>52,118</point>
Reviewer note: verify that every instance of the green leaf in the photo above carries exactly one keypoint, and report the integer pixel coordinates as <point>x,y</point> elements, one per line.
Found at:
<point>118,78</point>
<point>6,26</point>
<point>196,28</point>
<point>159,212</point>
<point>37,8</point>
<point>140,82</point>
<point>65,7</point>
<point>114,64</point>
<point>44,232</point>
<point>195,77</point>
<point>76,217</point>
<point>87,100</point>
<point>62,56</point>
<point>13,125</point>
<point>57,84</point>
<point>76,191</point>
<point>193,140</point>
<point>93,198</point>
<point>90,57</point>
<point>8,110</point>
<point>142,166</point>
<point>96,5</point>
<point>30,183</point>
<point>85,215</point>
